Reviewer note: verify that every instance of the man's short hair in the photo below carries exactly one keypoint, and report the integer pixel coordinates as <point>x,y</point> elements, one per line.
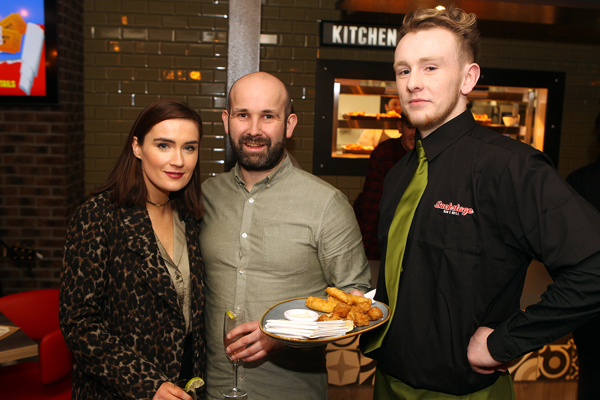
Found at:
<point>457,21</point>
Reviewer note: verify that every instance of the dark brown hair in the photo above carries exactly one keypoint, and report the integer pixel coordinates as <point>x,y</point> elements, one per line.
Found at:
<point>126,181</point>
<point>457,21</point>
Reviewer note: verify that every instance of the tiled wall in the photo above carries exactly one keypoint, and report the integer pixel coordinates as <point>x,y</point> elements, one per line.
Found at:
<point>137,52</point>
<point>151,49</point>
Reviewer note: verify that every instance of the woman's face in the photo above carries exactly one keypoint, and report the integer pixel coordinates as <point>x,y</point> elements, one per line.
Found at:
<point>169,155</point>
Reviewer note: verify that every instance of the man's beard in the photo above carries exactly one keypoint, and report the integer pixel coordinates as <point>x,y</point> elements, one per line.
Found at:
<point>258,162</point>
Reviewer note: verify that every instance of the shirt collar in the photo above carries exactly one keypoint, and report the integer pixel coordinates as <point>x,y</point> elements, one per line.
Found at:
<point>282,170</point>
<point>441,138</point>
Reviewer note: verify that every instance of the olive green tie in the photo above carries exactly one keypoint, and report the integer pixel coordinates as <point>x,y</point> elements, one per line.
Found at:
<point>396,244</point>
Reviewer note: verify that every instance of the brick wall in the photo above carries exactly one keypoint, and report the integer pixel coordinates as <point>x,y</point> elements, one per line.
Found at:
<point>41,166</point>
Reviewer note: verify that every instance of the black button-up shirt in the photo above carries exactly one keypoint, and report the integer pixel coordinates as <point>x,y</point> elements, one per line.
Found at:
<point>490,206</point>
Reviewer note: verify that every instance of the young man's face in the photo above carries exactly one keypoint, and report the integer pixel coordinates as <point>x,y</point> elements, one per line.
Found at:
<point>430,77</point>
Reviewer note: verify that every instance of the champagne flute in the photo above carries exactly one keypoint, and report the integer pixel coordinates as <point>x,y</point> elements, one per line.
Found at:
<point>232,319</point>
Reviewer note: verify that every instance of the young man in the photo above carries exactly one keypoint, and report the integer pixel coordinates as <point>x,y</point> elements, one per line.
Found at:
<point>489,206</point>
<point>271,232</point>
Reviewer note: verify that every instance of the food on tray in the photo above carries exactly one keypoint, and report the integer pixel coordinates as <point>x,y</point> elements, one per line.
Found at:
<point>319,304</point>
<point>344,306</point>
<point>389,114</point>
<point>342,309</point>
<point>482,118</point>
<point>340,295</point>
<point>358,147</point>
<point>356,113</point>
<point>374,313</point>
<point>358,317</point>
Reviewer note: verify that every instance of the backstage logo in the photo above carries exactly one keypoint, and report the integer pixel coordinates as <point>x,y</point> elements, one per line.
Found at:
<point>454,209</point>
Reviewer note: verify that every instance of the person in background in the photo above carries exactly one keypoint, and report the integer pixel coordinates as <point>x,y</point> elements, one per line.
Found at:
<point>586,181</point>
<point>366,205</point>
<point>373,137</point>
<point>484,206</point>
<point>132,282</point>
<point>271,232</point>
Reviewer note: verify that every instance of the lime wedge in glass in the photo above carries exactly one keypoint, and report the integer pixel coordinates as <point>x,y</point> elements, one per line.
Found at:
<point>194,384</point>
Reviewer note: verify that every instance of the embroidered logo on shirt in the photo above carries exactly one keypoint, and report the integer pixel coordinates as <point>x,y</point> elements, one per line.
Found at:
<point>453,209</point>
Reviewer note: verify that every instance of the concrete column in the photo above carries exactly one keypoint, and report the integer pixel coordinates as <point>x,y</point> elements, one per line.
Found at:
<point>243,48</point>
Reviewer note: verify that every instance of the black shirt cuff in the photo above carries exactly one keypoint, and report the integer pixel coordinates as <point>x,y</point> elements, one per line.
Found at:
<point>501,346</point>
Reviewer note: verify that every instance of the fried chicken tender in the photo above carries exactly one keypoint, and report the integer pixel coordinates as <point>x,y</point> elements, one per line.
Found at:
<point>339,294</point>
<point>358,318</point>
<point>344,306</point>
<point>356,300</point>
<point>374,314</point>
<point>362,307</point>
<point>317,303</point>
<point>327,317</point>
<point>342,310</point>
<point>333,300</point>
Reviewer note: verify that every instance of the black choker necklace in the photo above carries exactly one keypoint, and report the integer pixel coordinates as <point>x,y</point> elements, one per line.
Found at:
<point>159,205</point>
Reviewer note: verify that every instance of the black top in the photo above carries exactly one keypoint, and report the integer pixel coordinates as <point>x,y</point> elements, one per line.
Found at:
<point>490,206</point>
<point>586,181</point>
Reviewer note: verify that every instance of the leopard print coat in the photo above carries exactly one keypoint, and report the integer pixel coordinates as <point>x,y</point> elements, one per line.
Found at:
<point>119,312</point>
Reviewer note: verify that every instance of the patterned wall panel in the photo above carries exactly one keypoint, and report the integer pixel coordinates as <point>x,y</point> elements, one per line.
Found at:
<point>347,366</point>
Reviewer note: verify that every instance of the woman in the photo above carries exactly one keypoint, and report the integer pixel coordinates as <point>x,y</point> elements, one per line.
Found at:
<point>132,287</point>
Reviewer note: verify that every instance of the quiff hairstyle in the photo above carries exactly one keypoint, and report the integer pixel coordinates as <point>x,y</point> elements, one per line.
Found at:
<point>126,181</point>
<point>457,21</point>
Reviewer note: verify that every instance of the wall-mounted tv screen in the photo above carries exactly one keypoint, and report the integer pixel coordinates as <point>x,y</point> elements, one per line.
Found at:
<point>28,54</point>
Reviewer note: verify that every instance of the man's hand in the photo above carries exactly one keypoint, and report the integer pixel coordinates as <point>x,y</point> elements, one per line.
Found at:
<point>168,391</point>
<point>357,292</point>
<point>255,345</point>
<point>479,356</point>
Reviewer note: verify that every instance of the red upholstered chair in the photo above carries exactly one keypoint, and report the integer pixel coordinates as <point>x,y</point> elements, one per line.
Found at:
<point>36,313</point>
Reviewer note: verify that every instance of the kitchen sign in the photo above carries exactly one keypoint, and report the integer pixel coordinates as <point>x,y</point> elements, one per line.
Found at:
<point>358,35</point>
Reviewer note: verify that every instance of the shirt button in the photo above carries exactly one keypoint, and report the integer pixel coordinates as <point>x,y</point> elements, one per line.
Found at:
<point>241,271</point>
<point>251,201</point>
<point>508,354</point>
<point>244,235</point>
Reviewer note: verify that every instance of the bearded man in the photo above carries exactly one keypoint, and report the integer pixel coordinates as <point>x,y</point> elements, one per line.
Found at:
<point>271,232</point>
